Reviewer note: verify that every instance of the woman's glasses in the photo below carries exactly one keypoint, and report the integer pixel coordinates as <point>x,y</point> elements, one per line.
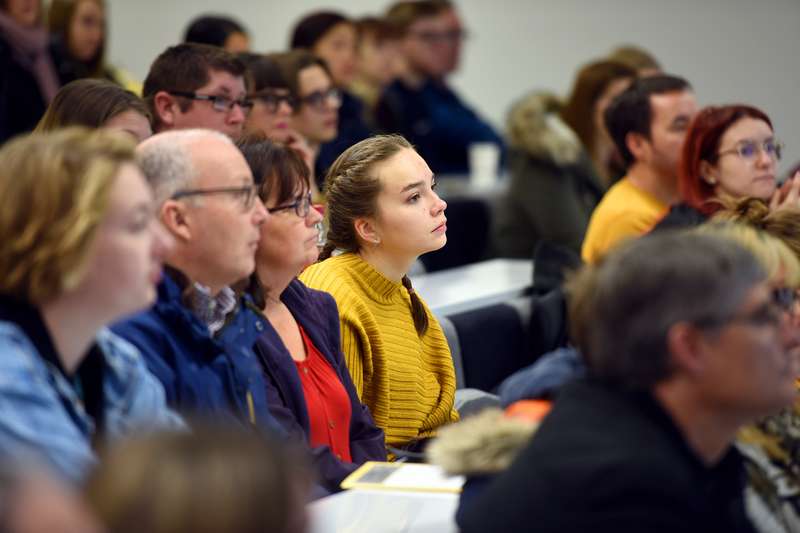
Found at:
<point>272,100</point>
<point>301,206</point>
<point>318,99</point>
<point>750,149</point>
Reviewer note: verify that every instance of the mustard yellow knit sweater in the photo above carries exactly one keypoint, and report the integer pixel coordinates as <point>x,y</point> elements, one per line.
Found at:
<point>407,382</point>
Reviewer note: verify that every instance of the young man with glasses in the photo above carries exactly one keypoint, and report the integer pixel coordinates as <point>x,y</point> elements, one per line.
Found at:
<point>198,337</point>
<point>685,344</point>
<point>197,86</point>
<point>419,104</point>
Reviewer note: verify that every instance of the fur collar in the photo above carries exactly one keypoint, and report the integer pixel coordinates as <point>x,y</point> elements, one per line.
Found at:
<point>535,127</point>
<point>485,443</point>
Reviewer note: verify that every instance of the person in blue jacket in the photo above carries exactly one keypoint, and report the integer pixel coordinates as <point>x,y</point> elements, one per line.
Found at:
<point>79,248</point>
<point>309,388</point>
<point>198,337</point>
<point>420,105</point>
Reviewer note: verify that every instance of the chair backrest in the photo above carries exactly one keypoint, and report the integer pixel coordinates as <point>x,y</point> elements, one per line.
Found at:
<point>468,227</point>
<point>491,343</point>
<point>552,261</point>
<point>548,324</point>
<point>451,335</point>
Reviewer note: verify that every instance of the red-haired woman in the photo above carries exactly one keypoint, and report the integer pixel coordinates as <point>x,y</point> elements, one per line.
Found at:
<point>730,152</point>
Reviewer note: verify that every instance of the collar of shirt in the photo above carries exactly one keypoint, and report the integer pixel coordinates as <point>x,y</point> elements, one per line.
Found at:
<point>212,310</point>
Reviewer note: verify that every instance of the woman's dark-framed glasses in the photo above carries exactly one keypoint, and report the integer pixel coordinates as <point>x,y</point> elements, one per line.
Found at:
<point>318,99</point>
<point>301,206</point>
<point>223,104</point>
<point>246,194</point>
<point>272,100</point>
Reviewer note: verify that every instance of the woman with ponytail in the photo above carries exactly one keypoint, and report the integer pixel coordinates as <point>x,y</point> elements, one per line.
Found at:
<point>383,213</point>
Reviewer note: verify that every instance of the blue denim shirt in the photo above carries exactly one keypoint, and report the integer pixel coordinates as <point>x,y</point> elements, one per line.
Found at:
<point>41,415</point>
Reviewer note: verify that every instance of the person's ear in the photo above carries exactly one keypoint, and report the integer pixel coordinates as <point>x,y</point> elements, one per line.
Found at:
<point>366,231</point>
<point>709,173</point>
<point>165,107</point>
<point>686,347</point>
<point>638,145</point>
<point>176,219</point>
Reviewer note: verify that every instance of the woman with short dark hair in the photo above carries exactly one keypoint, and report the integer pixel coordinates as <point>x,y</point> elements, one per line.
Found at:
<point>309,388</point>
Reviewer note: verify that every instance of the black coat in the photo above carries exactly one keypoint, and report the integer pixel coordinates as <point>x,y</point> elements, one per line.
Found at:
<point>21,101</point>
<point>605,460</point>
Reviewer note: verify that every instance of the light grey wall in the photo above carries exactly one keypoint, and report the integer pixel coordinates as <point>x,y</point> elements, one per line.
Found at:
<point>731,50</point>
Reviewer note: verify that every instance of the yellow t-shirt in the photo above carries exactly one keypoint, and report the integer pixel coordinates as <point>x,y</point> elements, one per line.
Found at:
<point>625,211</point>
<point>407,381</point>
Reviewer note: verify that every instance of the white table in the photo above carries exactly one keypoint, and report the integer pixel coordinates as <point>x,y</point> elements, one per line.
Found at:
<point>373,511</point>
<point>472,286</point>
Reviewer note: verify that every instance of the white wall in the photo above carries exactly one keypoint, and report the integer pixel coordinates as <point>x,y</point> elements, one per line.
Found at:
<point>730,50</point>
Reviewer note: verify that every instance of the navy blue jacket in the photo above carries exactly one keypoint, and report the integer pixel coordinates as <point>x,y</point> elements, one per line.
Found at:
<point>317,313</point>
<point>435,120</point>
<point>202,375</point>
<point>352,128</point>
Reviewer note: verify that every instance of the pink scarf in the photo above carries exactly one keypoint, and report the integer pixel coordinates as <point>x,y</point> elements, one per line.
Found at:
<point>29,46</point>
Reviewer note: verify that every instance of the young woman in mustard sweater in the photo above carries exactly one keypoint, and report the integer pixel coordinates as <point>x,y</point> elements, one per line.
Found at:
<point>383,213</point>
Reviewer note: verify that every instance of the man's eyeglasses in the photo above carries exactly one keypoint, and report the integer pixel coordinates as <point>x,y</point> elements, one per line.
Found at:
<point>223,104</point>
<point>301,206</point>
<point>750,149</point>
<point>770,313</point>
<point>246,195</point>
<point>272,100</point>
<point>318,99</point>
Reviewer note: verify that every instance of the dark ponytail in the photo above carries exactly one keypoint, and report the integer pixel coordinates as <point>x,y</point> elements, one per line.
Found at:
<point>417,308</point>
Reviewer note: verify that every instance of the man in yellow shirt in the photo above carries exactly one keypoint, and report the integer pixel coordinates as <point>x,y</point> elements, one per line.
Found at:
<point>648,123</point>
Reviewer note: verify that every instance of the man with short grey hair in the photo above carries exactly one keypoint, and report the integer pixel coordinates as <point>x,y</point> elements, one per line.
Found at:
<point>684,345</point>
<point>198,337</point>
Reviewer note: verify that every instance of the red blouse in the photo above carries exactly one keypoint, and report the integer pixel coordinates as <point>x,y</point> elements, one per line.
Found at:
<point>327,402</point>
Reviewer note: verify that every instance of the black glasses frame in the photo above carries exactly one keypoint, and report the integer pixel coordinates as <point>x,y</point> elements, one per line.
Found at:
<point>273,100</point>
<point>248,192</point>
<point>223,104</point>
<point>318,99</point>
<point>301,206</point>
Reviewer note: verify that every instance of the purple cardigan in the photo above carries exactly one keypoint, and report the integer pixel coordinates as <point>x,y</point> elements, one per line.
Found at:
<point>317,313</point>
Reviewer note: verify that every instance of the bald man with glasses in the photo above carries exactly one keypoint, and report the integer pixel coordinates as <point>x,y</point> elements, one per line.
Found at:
<point>198,337</point>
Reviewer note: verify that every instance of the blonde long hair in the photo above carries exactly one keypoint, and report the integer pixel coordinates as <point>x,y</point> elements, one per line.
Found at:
<point>55,188</point>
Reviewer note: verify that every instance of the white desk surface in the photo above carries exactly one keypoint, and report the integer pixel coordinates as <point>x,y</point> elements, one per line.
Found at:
<point>380,511</point>
<point>472,286</point>
<point>451,186</point>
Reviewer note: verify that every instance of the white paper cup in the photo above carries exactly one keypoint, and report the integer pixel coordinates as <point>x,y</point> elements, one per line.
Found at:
<point>483,162</point>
